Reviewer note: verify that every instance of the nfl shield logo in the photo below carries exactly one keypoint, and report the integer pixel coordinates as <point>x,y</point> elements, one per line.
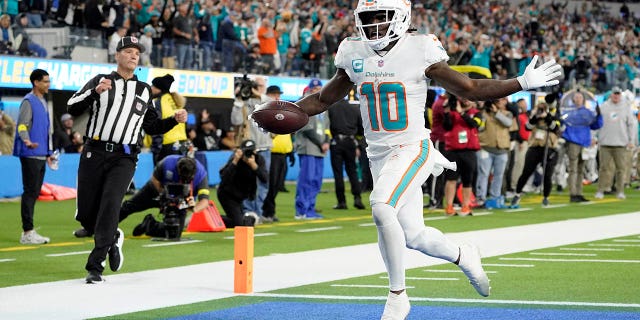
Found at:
<point>138,106</point>
<point>380,63</point>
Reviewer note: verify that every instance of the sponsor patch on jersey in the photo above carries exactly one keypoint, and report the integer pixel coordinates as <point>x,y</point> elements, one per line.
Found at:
<point>357,65</point>
<point>138,106</point>
<point>380,63</point>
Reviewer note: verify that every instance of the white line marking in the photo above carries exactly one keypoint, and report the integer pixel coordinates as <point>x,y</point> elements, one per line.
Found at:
<point>319,229</point>
<point>164,244</point>
<point>486,301</point>
<point>518,210</point>
<point>435,218</point>
<point>552,206</point>
<point>423,278</point>
<point>67,254</point>
<point>369,224</point>
<point>266,234</point>
<point>482,213</point>
<point>626,240</point>
<point>586,203</point>
<point>613,245</point>
<point>364,286</point>
<point>591,249</point>
<point>7,260</point>
<point>563,254</point>
<point>508,265</point>
<point>571,260</point>
<point>452,271</point>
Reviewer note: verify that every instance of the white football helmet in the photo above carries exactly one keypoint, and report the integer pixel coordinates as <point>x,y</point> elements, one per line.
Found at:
<point>398,19</point>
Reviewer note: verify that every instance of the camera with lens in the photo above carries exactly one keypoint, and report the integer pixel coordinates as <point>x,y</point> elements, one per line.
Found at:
<point>246,86</point>
<point>173,207</point>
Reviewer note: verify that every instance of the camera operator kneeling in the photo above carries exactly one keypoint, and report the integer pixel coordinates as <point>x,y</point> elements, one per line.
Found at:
<point>238,182</point>
<point>172,172</point>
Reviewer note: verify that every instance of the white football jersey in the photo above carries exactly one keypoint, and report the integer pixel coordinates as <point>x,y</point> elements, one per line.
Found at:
<point>393,87</point>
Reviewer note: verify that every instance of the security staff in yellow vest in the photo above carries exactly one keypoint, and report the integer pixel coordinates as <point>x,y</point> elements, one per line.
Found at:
<point>494,152</point>
<point>166,103</point>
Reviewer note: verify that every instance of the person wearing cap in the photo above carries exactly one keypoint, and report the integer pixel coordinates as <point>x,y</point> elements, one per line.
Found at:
<point>238,183</point>
<point>33,145</point>
<point>311,143</point>
<point>616,138</point>
<point>578,121</point>
<point>114,39</point>
<point>146,39</point>
<point>118,105</point>
<point>62,133</point>
<point>166,104</point>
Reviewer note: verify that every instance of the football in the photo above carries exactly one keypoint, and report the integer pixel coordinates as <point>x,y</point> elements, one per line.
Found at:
<point>280,117</point>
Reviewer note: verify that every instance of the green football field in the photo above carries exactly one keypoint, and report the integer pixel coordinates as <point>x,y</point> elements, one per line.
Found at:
<point>597,275</point>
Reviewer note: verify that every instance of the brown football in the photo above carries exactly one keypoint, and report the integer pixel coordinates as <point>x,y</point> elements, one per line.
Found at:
<point>280,117</point>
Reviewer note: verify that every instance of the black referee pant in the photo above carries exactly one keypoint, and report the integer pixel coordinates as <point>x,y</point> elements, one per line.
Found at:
<point>232,207</point>
<point>32,177</point>
<point>277,174</point>
<point>535,156</point>
<point>103,179</point>
<point>343,152</point>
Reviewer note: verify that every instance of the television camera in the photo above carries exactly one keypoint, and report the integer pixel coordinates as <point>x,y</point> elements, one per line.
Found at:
<point>174,203</point>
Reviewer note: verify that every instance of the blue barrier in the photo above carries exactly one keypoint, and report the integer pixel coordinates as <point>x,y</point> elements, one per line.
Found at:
<point>11,182</point>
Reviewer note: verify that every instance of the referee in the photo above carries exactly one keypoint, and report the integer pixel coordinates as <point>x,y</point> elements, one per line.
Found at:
<point>117,104</point>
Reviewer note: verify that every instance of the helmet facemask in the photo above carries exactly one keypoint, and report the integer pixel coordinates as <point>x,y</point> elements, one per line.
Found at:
<point>392,18</point>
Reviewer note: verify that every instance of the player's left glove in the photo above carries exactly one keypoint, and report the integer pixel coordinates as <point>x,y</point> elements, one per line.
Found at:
<point>542,76</point>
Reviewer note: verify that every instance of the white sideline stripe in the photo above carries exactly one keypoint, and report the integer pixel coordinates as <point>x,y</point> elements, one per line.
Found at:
<point>7,260</point>
<point>453,271</point>
<point>435,218</point>
<point>591,249</point>
<point>482,213</point>
<point>563,254</point>
<point>174,243</point>
<point>485,301</point>
<point>626,240</point>
<point>368,224</point>
<point>508,265</point>
<point>364,286</point>
<point>613,245</point>
<point>161,288</point>
<point>571,260</point>
<point>586,203</point>
<point>518,210</point>
<point>265,234</point>
<point>552,206</point>
<point>426,278</point>
<point>67,254</point>
<point>318,229</point>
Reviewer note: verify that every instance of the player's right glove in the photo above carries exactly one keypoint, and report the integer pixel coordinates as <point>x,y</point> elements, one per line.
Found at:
<point>542,76</point>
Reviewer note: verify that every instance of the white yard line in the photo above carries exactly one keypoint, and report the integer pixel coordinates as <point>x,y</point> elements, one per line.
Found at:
<point>74,253</point>
<point>318,229</point>
<point>138,291</point>
<point>7,260</point>
<point>170,243</point>
<point>591,249</point>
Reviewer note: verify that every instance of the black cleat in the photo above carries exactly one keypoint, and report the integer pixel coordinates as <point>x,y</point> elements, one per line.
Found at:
<point>340,206</point>
<point>115,252</point>
<point>94,277</point>
<point>82,233</point>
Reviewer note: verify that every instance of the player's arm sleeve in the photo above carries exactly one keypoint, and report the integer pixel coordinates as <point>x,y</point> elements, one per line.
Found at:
<point>341,61</point>
<point>236,113</point>
<point>152,124</point>
<point>203,188</point>
<point>25,117</point>
<point>434,50</point>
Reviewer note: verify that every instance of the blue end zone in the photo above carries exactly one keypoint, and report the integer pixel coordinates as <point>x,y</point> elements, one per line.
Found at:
<point>324,311</point>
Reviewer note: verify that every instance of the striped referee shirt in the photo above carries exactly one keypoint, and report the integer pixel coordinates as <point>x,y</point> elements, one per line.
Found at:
<point>118,115</point>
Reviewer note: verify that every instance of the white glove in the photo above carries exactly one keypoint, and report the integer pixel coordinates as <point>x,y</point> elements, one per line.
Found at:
<point>542,76</point>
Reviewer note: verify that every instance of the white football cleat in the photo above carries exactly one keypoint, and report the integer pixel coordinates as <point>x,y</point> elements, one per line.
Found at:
<point>472,267</point>
<point>397,306</point>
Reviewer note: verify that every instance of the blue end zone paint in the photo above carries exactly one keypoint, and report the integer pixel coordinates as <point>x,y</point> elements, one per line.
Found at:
<point>324,311</point>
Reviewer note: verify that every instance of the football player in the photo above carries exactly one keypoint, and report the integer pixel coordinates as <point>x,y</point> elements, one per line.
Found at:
<point>391,69</point>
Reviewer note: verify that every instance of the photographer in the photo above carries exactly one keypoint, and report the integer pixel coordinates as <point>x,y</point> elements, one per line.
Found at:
<point>544,125</point>
<point>461,142</point>
<point>171,169</point>
<point>238,183</point>
<point>493,156</point>
<point>249,94</point>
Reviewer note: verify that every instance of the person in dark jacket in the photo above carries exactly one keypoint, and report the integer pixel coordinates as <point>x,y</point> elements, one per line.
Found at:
<point>238,182</point>
<point>230,42</point>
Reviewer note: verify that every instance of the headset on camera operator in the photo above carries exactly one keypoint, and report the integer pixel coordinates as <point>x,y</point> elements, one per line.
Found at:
<point>238,183</point>
<point>173,169</point>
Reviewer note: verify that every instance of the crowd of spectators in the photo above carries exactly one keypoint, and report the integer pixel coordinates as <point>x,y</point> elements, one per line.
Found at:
<point>597,47</point>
